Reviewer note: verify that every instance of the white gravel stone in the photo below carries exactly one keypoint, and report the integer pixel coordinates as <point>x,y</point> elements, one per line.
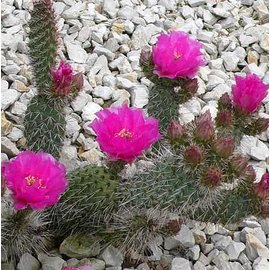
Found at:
<point>28,262</point>
<point>194,253</point>
<point>74,11</point>
<point>89,110</point>
<point>180,264</point>
<point>112,256</point>
<point>80,101</point>
<point>185,237</point>
<point>104,92</point>
<point>196,3</point>
<point>255,248</point>
<point>254,148</point>
<point>199,266</point>
<point>103,51</point>
<point>50,263</point>
<point>139,96</point>
<point>15,134</point>
<point>187,12</point>
<point>261,264</point>
<point>221,241</point>
<point>230,60</point>
<point>110,7</point>
<point>8,97</point>
<point>76,53</point>
<point>234,249</point>
<point>18,108</point>
<point>236,266</point>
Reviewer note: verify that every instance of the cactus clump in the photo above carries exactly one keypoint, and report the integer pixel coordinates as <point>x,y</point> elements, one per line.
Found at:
<point>23,232</point>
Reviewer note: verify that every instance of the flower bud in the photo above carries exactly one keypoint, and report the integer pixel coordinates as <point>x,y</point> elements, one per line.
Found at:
<point>193,155</point>
<point>145,57</point>
<point>224,119</point>
<point>212,177</point>
<point>77,82</point>
<point>225,102</point>
<point>224,146</point>
<point>175,130</point>
<point>259,125</point>
<point>239,164</point>
<point>250,174</point>
<point>204,130</point>
<point>189,85</point>
<point>262,188</point>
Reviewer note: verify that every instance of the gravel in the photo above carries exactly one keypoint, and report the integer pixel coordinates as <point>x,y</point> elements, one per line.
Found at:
<point>103,39</point>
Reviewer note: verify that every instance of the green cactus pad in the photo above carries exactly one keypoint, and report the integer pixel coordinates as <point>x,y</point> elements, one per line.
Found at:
<point>44,126</point>
<point>43,43</point>
<point>89,200</point>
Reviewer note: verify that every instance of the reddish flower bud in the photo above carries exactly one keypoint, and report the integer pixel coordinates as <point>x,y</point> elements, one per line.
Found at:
<point>204,130</point>
<point>193,155</point>
<point>145,57</point>
<point>189,85</point>
<point>225,102</point>
<point>174,225</point>
<point>175,131</point>
<point>250,174</point>
<point>224,119</point>
<point>262,188</point>
<point>239,164</point>
<point>261,125</point>
<point>212,177</point>
<point>77,82</point>
<point>224,146</point>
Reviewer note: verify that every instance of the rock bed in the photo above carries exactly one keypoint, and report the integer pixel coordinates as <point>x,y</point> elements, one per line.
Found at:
<point>103,39</point>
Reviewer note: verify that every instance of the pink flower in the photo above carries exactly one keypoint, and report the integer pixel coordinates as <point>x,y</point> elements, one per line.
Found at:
<point>176,55</point>
<point>262,188</point>
<point>86,267</point>
<point>248,93</point>
<point>64,81</point>
<point>124,133</point>
<point>35,179</point>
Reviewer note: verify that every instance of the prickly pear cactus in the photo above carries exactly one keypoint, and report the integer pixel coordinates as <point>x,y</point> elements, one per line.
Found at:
<point>43,43</point>
<point>44,126</point>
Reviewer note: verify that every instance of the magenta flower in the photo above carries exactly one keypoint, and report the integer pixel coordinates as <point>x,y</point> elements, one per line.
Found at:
<point>64,81</point>
<point>124,133</point>
<point>35,179</point>
<point>86,267</point>
<point>262,188</point>
<point>248,93</point>
<point>176,55</point>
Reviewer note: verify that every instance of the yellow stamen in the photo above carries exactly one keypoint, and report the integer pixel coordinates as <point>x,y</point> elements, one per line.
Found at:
<point>177,55</point>
<point>30,180</point>
<point>124,133</point>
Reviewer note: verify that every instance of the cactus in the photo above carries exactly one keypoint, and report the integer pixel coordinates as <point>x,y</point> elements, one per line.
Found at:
<point>133,231</point>
<point>44,126</point>
<point>89,200</point>
<point>230,121</point>
<point>167,94</point>
<point>43,43</point>
<point>23,232</point>
<point>235,205</point>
